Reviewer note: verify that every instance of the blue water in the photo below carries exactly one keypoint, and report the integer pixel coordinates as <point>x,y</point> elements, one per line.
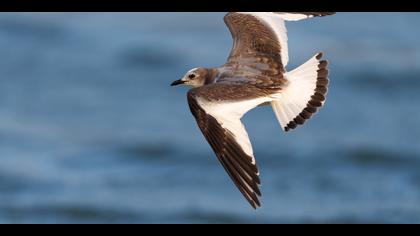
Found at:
<point>91,131</point>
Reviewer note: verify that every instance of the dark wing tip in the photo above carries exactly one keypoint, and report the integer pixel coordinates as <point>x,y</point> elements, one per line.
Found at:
<point>327,13</point>
<point>234,160</point>
<point>319,14</point>
<point>312,14</point>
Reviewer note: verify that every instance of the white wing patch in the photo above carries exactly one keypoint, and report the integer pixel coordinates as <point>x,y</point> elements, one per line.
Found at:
<point>229,115</point>
<point>293,16</point>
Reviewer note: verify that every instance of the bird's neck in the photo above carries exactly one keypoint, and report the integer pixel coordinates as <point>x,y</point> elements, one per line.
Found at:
<point>212,74</point>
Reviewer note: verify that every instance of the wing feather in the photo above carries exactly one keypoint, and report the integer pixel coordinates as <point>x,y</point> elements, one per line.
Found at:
<point>221,126</point>
<point>260,38</point>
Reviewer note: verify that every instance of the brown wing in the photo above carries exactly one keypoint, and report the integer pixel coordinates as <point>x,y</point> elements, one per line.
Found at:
<point>255,45</point>
<point>240,166</point>
<point>260,41</point>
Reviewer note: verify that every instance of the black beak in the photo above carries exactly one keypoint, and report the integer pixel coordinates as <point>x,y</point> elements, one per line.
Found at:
<point>177,82</point>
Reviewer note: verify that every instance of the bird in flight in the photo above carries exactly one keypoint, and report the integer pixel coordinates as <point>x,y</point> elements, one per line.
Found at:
<point>254,75</point>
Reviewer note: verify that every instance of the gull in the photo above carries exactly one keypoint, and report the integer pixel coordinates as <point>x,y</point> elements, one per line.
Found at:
<point>254,75</point>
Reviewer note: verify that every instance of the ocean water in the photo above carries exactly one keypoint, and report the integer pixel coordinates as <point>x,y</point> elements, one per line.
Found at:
<point>91,131</point>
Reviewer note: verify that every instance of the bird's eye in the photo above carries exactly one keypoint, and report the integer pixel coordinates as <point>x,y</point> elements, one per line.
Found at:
<point>192,76</point>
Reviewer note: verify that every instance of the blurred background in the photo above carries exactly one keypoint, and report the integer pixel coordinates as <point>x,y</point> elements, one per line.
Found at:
<point>91,131</point>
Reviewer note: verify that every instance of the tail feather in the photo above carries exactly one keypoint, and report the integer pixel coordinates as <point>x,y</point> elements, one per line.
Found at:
<point>305,92</point>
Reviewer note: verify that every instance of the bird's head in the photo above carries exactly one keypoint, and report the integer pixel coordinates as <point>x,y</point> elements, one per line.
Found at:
<point>196,78</point>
